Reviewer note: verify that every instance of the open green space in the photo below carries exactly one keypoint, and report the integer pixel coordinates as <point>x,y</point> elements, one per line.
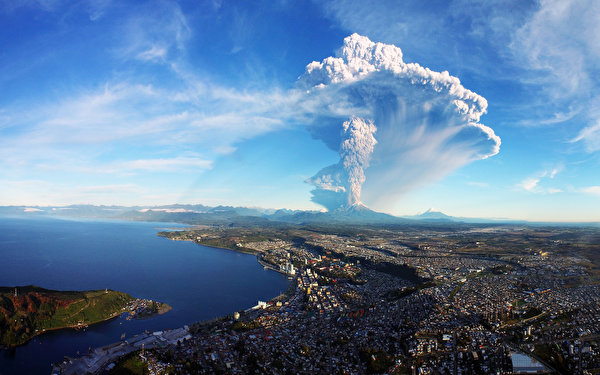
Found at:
<point>131,364</point>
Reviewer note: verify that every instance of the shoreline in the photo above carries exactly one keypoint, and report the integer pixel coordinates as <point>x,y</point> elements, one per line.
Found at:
<point>186,328</point>
<point>238,250</point>
<point>163,309</point>
<point>257,254</point>
<point>66,328</point>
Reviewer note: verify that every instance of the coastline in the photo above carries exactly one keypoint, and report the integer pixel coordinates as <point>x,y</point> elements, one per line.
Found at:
<point>281,297</point>
<point>128,309</point>
<point>163,309</point>
<point>241,250</point>
<point>237,250</point>
<point>116,350</point>
<point>66,328</point>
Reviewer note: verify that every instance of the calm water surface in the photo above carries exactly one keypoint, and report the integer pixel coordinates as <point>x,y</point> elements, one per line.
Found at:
<point>198,282</point>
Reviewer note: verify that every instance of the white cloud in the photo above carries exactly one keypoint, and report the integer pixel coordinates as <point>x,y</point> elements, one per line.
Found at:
<point>532,184</point>
<point>128,167</point>
<point>156,30</point>
<point>563,39</point>
<point>561,43</point>
<point>171,210</point>
<point>590,136</point>
<point>595,190</point>
<point>74,131</point>
<point>47,193</point>
<point>155,53</point>
<point>32,209</point>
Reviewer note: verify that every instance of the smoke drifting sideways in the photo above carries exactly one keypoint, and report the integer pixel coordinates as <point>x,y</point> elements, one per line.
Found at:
<point>395,125</point>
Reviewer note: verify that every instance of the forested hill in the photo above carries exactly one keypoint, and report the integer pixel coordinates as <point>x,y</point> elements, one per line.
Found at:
<point>28,311</point>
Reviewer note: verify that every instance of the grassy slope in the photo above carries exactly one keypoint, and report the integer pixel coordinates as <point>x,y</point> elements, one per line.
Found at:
<point>36,310</point>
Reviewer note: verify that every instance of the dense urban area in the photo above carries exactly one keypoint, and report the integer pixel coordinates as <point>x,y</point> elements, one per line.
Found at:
<point>429,299</point>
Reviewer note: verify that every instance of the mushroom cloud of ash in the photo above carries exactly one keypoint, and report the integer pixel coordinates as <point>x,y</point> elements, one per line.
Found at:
<point>396,125</point>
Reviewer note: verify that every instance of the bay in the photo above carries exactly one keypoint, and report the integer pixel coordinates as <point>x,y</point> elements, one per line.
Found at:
<point>199,282</point>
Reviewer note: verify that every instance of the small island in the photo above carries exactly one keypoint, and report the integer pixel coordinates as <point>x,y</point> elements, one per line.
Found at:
<point>28,311</point>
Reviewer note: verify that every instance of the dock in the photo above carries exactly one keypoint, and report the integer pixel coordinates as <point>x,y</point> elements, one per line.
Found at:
<point>98,359</point>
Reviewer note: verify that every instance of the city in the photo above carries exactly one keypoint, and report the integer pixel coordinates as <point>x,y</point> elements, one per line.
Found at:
<point>452,299</point>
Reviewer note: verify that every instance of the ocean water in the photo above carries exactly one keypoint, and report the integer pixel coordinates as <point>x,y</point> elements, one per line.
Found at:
<point>198,282</point>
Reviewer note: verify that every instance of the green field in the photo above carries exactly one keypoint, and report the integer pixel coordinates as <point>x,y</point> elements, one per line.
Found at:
<point>131,364</point>
<point>35,310</point>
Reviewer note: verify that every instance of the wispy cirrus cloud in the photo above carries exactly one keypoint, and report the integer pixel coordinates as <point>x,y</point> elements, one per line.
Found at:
<point>177,164</point>
<point>44,193</point>
<point>560,42</point>
<point>562,38</point>
<point>156,53</point>
<point>134,115</point>
<point>94,8</point>
<point>157,118</point>
<point>157,30</point>
<point>590,137</point>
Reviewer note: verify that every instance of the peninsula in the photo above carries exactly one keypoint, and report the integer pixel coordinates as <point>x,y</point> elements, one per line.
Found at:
<point>28,311</point>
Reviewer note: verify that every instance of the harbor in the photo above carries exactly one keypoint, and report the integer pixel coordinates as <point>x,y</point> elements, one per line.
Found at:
<point>97,360</point>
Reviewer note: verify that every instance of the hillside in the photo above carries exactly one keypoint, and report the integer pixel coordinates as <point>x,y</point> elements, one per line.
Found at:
<point>35,310</point>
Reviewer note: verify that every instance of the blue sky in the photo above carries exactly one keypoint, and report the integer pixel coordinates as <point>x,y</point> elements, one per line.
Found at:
<point>148,103</point>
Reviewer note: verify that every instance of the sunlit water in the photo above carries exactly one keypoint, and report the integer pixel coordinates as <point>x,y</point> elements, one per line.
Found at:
<point>198,282</point>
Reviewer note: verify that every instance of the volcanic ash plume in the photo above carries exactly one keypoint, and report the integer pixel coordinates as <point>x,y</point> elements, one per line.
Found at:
<point>339,185</point>
<point>355,151</point>
<point>427,124</point>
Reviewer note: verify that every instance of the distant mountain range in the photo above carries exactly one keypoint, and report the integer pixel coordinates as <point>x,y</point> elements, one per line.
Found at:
<point>241,216</point>
<point>430,214</point>
<point>201,214</point>
<point>354,214</point>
